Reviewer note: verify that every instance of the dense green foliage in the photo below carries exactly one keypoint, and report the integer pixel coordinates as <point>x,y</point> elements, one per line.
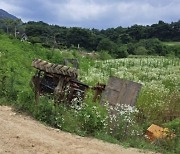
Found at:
<point>119,42</point>
<point>159,92</point>
<point>111,39</point>
<point>10,26</point>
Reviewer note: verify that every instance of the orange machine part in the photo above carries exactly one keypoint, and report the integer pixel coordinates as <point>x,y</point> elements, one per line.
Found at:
<point>157,132</point>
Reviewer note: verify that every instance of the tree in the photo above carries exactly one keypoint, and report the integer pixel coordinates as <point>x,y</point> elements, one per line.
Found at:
<point>8,23</point>
<point>104,55</point>
<point>11,25</point>
<point>153,46</point>
<point>79,36</point>
<point>125,38</point>
<point>141,50</point>
<point>106,44</point>
<point>15,23</point>
<point>136,32</point>
<point>121,52</point>
<point>131,48</point>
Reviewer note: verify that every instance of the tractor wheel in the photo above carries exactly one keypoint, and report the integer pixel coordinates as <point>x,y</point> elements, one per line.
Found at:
<point>54,68</point>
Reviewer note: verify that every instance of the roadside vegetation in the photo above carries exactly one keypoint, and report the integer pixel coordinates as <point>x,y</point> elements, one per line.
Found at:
<point>158,101</point>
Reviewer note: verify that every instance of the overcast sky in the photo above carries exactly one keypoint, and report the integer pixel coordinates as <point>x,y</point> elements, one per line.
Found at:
<point>99,14</point>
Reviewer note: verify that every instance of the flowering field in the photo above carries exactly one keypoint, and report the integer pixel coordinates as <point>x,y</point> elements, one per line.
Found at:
<point>159,76</point>
<point>148,71</point>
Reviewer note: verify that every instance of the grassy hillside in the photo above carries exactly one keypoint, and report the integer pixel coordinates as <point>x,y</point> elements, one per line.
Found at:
<point>16,58</point>
<point>16,70</point>
<point>159,97</point>
<point>172,43</point>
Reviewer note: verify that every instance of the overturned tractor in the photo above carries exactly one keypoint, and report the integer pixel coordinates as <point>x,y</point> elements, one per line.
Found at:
<point>61,81</point>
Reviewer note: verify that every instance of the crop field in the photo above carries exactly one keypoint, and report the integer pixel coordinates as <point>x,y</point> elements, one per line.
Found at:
<point>143,70</point>
<point>159,76</point>
<point>159,98</point>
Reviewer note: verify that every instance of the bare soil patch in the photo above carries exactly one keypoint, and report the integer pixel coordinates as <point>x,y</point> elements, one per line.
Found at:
<point>20,134</point>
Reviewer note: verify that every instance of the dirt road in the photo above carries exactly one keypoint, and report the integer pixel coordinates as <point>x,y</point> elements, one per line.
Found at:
<point>21,134</point>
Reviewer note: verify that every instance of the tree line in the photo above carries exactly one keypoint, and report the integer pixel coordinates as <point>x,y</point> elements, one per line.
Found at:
<point>118,41</point>
<point>11,26</point>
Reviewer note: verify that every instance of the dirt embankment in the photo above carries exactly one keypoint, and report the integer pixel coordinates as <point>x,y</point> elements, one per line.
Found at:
<point>21,134</point>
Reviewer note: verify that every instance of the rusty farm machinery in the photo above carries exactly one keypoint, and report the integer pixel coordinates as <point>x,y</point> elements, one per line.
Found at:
<point>62,83</point>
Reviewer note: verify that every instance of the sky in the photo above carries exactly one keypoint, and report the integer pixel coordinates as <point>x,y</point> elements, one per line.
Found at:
<point>99,14</point>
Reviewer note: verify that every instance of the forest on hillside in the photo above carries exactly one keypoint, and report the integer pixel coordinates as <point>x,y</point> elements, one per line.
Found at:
<point>119,42</point>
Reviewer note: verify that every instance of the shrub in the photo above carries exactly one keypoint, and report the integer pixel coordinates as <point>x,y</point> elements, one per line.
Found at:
<point>25,101</point>
<point>140,51</point>
<point>93,118</point>
<point>45,111</point>
<point>174,125</point>
<point>107,45</point>
<point>121,52</point>
<point>104,55</point>
<point>34,40</point>
<point>122,122</point>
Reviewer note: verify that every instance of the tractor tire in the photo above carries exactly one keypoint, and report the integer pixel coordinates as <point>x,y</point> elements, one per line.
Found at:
<point>54,68</point>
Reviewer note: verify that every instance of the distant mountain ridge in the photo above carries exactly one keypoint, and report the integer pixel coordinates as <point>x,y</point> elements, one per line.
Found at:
<point>6,15</point>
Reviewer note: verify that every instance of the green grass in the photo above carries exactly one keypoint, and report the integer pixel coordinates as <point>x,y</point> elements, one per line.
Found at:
<point>159,76</point>
<point>172,43</point>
